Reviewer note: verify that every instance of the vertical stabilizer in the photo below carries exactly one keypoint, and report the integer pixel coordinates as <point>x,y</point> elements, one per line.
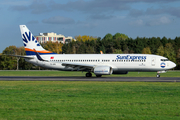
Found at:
<point>30,42</point>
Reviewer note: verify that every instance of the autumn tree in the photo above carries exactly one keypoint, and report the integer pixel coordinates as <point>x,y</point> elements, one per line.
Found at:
<point>55,47</point>
<point>9,62</point>
<point>160,51</point>
<point>85,38</point>
<point>146,50</point>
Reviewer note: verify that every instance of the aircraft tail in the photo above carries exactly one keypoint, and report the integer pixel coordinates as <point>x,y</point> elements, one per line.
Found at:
<point>30,42</point>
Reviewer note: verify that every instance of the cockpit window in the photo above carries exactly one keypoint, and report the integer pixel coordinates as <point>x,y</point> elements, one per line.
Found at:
<point>164,60</point>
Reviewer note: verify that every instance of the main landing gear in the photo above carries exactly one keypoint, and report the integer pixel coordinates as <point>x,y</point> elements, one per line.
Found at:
<point>88,74</point>
<point>98,75</point>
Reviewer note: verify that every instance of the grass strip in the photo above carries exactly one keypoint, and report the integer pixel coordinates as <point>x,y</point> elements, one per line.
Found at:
<point>46,100</point>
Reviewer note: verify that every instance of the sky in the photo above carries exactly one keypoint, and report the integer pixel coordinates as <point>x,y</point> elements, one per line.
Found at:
<point>135,18</point>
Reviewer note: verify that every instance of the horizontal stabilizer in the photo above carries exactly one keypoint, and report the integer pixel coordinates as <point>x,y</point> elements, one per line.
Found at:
<point>26,57</point>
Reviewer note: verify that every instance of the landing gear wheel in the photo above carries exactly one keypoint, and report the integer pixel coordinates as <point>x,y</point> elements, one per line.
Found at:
<point>88,75</point>
<point>158,76</point>
<point>98,75</point>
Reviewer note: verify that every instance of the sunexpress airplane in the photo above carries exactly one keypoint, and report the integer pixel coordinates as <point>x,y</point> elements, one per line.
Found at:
<point>99,64</point>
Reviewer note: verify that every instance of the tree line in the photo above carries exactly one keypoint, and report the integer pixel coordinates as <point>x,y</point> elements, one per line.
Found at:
<point>116,44</point>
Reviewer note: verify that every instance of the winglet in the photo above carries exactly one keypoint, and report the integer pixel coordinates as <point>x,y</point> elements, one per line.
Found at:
<point>101,52</point>
<point>38,56</point>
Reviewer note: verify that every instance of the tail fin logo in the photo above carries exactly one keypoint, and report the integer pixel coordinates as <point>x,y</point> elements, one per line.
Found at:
<point>27,38</point>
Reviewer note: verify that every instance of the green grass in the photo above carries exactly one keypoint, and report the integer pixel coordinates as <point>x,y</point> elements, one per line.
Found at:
<point>51,100</point>
<point>75,73</point>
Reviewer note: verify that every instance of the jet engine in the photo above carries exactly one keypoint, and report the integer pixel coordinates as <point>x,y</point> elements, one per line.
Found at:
<point>103,70</point>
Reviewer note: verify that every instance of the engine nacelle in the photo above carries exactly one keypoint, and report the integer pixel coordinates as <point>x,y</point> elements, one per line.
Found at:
<point>103,70</point>
<point>120,72</point>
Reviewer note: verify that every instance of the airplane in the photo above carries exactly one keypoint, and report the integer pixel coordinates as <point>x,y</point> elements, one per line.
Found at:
<point>99,64</point>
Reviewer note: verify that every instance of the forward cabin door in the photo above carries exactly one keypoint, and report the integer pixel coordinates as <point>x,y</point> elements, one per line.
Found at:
<point>153,62</point>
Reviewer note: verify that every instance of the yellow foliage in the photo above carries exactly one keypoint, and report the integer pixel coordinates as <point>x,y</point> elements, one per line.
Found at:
<point>160,51</point>
<point>57,48</point>
<point>84,38</point>
<point>54,47</point>
<point>146,51</point>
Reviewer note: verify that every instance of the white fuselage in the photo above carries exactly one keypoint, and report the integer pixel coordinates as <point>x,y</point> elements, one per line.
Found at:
<point>99,64</point>
<point>118,62</point>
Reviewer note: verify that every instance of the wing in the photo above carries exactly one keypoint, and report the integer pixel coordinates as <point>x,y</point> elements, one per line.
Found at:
<point>78,67</point>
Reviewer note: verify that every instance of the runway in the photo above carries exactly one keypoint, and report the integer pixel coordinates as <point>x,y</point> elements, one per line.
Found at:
<point>103,79</point>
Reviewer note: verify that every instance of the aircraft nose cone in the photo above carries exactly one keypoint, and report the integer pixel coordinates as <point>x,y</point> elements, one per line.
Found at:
<point>173,65</point>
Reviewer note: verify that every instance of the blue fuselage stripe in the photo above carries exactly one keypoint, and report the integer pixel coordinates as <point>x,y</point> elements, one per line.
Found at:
<point>33,53</point>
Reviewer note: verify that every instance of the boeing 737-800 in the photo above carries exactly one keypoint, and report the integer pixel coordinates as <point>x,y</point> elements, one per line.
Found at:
<point>99,64</point>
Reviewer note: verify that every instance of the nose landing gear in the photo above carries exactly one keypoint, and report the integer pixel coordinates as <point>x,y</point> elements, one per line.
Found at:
<point>158,76</point>
<point>158,72</point>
